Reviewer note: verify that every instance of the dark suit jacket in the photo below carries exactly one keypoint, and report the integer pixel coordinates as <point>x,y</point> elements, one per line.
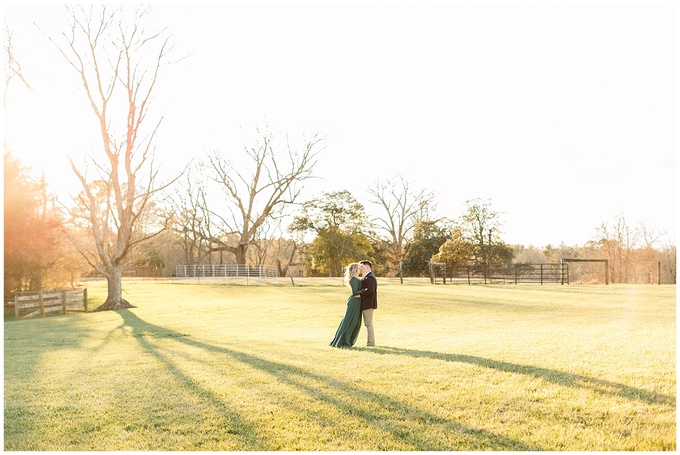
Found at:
<point>369,298</point>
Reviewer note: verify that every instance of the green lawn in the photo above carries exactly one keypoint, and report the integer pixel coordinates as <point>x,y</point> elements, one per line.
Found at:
<point>200,366</point>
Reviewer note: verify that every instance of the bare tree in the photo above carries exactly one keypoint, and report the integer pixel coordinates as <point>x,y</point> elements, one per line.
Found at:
<point>403,207</point>
<point>118,63</point>
<point>286,255</point>
<point>272,248</point>
<point>261,190</point>
<point>671,258</point>
<point>647,254</point>
<point>620,241</point>
<point>12,65</point>
<point>192,220</point>
<point>261,242</point>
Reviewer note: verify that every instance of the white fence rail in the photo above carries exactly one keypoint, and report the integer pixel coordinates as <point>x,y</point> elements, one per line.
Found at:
<point>226,270</point>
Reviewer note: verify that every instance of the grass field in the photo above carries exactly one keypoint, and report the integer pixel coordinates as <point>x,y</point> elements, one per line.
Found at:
<point>200,366</point>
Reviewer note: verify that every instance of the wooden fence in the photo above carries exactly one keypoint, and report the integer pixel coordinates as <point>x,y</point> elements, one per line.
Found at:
<point>42,302</point>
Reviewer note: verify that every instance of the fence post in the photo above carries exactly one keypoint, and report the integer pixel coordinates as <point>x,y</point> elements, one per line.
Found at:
<point>606,271</point>
<point>290,272</point>
<point>85,298</point>
<point>541,274</point>
<point>63,301</point>
<point>41,304</point>
<point>16,306</point>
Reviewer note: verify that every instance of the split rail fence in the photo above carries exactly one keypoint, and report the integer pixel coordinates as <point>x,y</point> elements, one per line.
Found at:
<point>42,302</point>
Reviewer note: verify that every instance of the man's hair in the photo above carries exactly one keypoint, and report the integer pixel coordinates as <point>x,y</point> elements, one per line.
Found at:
<point>367,262</point>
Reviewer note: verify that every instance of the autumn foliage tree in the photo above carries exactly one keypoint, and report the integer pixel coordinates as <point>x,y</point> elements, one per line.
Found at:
<point>456,250</point>
<point>35,252</point>
<point>428,236</point>
<point>476,238</point>
<point>342,234</point>
<point>481,227</point>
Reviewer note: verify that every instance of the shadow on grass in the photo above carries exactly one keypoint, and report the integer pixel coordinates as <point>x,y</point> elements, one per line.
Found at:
<point>393,417</point>
<point>243,431</point>
<point>555,376</point>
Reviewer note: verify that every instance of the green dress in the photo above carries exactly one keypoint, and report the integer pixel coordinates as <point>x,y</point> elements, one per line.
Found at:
<point>348,331</point>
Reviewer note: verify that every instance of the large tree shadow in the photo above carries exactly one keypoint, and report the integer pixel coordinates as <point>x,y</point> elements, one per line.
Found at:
<point>348,399</point>
<point>245,432</point>
<point>554,376</point>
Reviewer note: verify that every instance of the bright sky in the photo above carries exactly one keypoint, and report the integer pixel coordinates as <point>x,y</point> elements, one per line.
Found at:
<point>563,115</point>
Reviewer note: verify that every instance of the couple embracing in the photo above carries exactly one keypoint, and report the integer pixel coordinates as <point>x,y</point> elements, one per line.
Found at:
<point>363,301</point>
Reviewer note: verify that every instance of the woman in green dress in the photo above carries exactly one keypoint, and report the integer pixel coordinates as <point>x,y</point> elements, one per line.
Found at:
<point>348,331</point>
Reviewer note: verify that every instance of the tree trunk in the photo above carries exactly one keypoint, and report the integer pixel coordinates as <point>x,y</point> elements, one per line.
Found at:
<point>114,299</point>
<point>241,252</point>
<point>35,281</point>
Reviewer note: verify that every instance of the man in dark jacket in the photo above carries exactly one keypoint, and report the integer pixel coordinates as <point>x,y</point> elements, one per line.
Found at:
<point>369,298</point>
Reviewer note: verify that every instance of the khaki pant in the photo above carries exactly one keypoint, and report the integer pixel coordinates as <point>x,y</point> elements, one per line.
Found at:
<point>368,322</point>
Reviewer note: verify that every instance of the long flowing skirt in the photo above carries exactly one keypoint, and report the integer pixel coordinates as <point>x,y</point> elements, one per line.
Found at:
<point>348,331</point>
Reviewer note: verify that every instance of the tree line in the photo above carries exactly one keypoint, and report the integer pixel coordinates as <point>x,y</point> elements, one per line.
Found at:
<point>234,207</point>
<point>317,238</point>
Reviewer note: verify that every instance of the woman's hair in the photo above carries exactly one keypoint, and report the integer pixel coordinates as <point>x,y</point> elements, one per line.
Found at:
<point>350,271</point>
